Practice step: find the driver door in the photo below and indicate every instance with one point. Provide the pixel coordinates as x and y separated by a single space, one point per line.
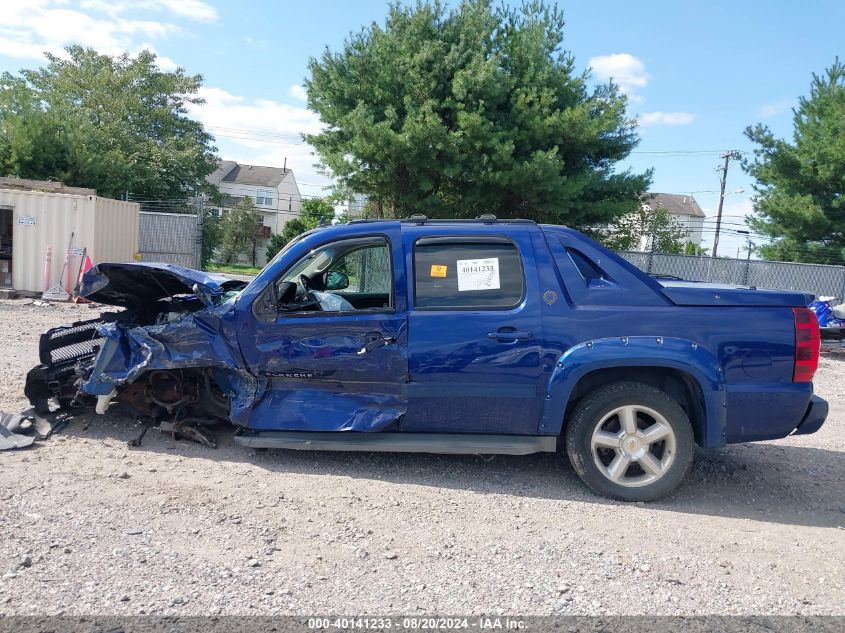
334 357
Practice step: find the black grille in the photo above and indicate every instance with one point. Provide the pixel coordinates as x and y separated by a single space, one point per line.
69 344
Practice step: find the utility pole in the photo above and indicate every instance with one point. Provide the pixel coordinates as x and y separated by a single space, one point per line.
727 156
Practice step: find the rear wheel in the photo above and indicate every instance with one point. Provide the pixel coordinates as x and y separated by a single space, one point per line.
630 441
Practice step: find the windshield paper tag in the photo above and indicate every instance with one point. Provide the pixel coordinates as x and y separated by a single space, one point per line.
438 270
478 274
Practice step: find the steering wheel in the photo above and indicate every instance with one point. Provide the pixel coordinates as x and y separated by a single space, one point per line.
307 287
305 282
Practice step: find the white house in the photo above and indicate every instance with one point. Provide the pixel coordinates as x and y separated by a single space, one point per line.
356 205
273 190
684 209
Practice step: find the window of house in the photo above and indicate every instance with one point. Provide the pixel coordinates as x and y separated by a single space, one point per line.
265 197
455 273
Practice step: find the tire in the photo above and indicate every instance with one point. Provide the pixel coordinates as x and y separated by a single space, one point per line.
630 441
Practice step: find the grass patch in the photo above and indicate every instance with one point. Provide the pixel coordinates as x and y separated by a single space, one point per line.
238 269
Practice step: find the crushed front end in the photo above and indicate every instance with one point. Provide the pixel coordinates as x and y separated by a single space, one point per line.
66 355
169 356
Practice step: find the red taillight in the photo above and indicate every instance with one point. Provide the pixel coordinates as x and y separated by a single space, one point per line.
807 344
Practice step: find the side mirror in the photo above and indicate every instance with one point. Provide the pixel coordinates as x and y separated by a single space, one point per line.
336 280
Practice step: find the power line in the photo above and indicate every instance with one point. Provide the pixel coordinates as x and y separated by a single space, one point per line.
295 138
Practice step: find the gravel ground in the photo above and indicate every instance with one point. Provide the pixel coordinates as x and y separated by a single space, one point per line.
90 526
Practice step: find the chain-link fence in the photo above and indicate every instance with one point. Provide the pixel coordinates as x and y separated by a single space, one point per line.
369 270
817 279
171 232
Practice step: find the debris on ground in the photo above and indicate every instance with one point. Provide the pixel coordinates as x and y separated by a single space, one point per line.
185 429
19 430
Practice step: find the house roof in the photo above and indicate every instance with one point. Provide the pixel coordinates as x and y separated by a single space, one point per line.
44 185
673 204
223 168
255 175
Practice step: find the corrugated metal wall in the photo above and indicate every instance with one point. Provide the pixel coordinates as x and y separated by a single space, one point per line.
116 238
108 228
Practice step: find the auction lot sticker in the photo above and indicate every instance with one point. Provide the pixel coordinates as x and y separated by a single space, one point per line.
478 274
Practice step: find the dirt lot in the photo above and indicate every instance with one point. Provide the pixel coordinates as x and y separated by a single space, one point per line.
90 526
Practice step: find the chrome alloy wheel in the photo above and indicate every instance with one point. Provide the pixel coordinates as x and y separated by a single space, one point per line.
633 446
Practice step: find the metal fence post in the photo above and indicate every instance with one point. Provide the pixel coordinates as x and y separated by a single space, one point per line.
198 234
650 261
842 285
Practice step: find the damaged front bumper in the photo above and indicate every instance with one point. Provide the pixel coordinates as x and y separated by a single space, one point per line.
65 353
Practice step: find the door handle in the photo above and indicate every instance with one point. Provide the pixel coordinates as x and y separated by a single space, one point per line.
375 343
509 335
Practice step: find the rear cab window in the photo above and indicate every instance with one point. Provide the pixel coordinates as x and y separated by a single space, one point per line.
588 268
467 273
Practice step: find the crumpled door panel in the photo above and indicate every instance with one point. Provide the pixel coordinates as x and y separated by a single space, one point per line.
295 406
318 379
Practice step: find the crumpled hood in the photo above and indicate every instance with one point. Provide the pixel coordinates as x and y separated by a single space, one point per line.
139 283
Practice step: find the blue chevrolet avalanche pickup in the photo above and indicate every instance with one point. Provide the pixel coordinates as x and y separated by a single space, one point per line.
466 336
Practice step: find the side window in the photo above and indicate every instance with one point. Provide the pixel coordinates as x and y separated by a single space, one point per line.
586 267
467 273
367 270
343 276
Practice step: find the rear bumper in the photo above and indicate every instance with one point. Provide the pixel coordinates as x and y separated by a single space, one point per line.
814 417
772 411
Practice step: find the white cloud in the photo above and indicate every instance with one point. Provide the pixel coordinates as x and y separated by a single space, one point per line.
28 28
263 132
192 9
261 116
666 118
771 110
737 210
298 92
624 69
162 61
256 44
196 10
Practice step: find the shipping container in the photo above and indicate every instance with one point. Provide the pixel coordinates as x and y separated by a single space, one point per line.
30 221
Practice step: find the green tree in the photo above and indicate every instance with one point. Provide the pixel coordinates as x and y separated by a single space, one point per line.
663 233
691 248
115 124
212 236
239 231
473 110
315 211
32 144
800 186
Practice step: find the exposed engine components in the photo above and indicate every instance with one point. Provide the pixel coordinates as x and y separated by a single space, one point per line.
167 390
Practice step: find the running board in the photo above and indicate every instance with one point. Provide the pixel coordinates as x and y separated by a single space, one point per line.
445 443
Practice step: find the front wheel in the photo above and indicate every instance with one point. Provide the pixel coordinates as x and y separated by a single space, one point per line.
630 441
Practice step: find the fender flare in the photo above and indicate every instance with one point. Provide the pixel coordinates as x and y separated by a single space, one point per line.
638 351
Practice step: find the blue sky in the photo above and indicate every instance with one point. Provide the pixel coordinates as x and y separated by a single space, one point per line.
696 72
